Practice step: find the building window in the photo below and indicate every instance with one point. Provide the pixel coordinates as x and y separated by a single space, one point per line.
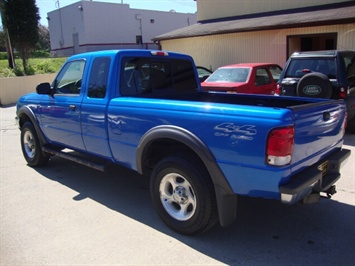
311 42
139 39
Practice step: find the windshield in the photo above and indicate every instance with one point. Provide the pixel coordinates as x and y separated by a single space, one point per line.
302 66
229 75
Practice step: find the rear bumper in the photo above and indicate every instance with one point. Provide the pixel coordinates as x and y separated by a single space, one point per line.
316 178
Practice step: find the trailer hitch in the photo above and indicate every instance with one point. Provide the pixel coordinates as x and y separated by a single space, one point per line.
330 191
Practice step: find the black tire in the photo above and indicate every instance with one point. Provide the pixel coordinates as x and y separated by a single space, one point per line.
31 147
315 85
183 195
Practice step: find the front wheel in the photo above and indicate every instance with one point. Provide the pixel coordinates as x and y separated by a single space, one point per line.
31 147
183 195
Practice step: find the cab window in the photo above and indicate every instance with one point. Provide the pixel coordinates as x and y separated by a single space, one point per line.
99 77
69 79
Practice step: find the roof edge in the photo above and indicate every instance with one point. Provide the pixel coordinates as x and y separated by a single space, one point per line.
282 12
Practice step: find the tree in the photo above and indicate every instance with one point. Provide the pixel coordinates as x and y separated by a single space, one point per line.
22 17
2 41
5 36
43 40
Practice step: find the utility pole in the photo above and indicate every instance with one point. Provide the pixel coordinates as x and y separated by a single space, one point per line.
9 51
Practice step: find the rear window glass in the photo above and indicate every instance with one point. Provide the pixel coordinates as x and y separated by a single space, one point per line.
229 75
156 76
275 72
349 64
299 67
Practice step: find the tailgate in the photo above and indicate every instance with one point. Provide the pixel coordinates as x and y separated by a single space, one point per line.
318 131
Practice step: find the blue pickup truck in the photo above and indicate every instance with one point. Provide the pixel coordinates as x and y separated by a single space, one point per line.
145 110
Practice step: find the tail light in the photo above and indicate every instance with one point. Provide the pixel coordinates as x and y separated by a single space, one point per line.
342 92
159 53
280 144
278 90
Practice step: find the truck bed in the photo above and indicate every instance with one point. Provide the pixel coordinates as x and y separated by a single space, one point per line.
240 99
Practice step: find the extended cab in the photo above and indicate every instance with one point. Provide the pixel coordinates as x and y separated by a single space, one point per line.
145 110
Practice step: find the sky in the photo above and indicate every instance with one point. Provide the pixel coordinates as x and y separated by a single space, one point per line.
182 6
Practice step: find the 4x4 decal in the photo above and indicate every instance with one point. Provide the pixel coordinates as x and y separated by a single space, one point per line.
227 129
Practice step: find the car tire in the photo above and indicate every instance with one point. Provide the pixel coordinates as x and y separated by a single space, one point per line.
31 147
183 195
315 85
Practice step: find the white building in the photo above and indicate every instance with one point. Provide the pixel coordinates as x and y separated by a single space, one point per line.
88 25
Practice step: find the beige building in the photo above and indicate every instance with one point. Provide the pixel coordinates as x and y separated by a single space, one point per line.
236 31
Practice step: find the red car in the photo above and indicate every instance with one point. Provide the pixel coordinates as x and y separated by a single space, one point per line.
252 78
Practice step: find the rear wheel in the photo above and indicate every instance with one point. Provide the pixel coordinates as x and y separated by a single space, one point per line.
31 147
183 195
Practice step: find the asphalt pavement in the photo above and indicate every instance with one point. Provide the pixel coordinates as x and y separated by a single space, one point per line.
68 214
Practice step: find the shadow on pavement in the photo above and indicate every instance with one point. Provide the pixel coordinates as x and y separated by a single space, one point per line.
266 232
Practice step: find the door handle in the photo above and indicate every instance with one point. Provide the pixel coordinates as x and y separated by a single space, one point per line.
72 107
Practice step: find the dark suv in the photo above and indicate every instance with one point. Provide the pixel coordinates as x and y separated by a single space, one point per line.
321 74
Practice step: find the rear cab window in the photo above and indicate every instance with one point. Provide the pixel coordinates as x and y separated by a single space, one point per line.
145 76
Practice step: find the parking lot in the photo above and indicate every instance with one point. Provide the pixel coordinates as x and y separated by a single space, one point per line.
67 214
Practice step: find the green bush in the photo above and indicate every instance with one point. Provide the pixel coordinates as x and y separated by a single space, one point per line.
6 72
3 56
34 54
19 71
30 71
40 54
44 66
35 66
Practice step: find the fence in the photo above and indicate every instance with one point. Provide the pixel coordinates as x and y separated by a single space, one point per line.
11 89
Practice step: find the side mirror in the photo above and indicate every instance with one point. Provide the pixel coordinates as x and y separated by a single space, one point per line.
44 88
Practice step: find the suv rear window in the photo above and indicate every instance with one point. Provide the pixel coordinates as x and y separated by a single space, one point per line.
300 66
